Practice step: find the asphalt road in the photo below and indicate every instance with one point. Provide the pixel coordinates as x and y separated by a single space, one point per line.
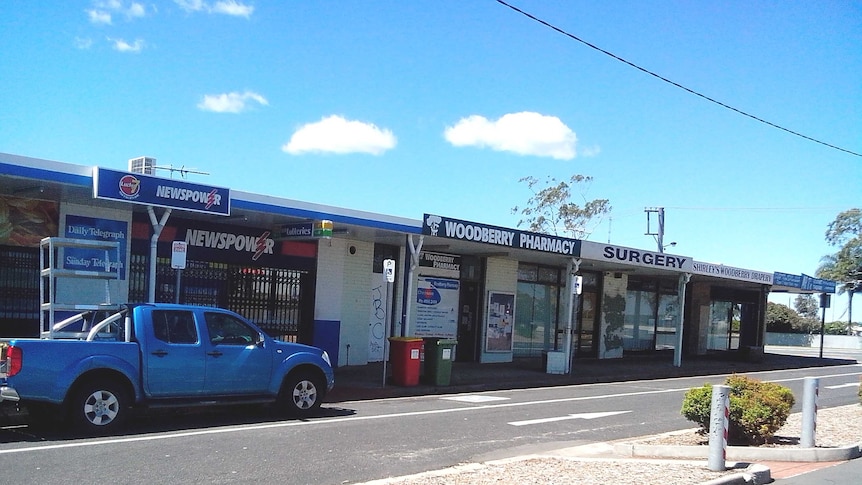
364 440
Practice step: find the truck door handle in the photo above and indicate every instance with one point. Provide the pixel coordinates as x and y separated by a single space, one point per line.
215 353
160 353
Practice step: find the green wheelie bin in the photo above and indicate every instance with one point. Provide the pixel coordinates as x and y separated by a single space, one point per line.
439 353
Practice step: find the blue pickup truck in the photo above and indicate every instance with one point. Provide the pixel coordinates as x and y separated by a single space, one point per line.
104 366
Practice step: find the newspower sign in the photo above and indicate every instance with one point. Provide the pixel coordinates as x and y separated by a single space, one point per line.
139 188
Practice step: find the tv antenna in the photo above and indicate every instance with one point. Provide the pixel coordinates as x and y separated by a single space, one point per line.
183 171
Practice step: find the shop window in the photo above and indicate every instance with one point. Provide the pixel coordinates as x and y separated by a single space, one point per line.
381 253
549 275
640 320
537 311
528 272
724 324
652 315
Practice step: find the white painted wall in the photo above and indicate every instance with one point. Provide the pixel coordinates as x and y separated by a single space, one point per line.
342 294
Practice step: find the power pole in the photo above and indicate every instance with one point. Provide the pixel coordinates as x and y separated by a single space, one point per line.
659 235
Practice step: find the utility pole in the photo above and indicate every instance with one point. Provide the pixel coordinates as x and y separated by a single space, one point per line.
659 236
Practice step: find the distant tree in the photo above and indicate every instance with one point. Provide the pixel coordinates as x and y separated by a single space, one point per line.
846 226
806 306
781 318
845 266
551 210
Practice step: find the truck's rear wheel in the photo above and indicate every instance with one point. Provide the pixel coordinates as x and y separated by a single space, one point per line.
301 394
98 407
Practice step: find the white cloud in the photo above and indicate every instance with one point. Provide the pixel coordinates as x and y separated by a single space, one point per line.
99 17
231 7
136 10
190 5
123 46
103 11
226 7
230 102
334 134
524 133
83 43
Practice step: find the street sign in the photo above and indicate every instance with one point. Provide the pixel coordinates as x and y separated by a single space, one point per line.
389 270
578 285
178 254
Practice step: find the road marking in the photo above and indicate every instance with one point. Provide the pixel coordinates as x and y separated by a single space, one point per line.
570 416
851 384
324 421
474 398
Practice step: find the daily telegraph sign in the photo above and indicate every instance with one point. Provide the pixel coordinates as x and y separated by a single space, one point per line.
439 226
144 189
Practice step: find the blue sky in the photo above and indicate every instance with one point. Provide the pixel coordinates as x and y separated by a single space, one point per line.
407 107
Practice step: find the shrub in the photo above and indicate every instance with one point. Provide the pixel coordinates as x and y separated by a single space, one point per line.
757 409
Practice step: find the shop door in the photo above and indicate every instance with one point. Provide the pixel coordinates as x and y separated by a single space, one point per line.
468 322
586 343
724 325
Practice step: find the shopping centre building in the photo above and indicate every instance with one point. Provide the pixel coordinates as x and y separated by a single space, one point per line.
321 275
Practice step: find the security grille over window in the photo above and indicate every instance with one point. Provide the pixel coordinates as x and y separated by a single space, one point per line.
270 297
19 291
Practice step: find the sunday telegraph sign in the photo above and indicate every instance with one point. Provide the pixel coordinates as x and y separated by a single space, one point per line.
144 189
439 226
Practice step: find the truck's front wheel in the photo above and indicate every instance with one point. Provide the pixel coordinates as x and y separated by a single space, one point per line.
301 393
98 407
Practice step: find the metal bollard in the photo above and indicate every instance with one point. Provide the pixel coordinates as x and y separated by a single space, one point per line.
810 395
718 421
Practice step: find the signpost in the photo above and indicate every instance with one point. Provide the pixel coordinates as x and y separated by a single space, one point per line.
389 272
179 249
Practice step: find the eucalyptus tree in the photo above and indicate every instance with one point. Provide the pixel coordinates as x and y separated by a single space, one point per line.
552 210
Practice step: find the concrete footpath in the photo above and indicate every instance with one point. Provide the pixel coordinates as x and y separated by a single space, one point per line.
367 382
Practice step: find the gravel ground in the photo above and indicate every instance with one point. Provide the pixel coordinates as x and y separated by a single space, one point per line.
841 426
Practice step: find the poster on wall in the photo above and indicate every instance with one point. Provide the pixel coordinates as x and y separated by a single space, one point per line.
81 227
501 315
24 222
437 307
378 318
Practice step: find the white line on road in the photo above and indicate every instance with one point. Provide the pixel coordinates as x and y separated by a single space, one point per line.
571 416
850 384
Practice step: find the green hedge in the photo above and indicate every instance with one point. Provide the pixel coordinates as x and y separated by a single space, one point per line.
757 409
